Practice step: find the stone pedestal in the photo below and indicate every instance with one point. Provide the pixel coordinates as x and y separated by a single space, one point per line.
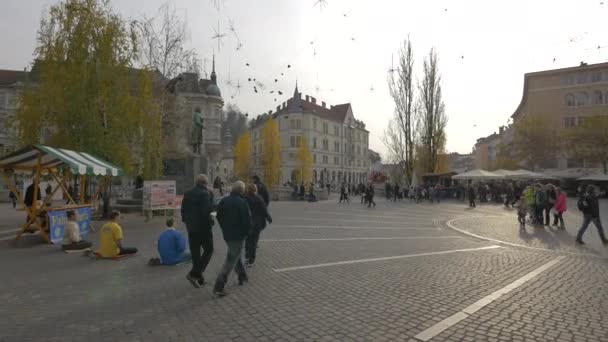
184 171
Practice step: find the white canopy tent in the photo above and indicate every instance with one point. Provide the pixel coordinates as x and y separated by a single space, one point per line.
478 175
600 177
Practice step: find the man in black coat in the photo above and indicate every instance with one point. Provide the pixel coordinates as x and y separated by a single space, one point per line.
589 205
262 190
235 221
197 206
259 217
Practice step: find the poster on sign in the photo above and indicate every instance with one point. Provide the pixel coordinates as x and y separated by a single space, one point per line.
159 195
58 218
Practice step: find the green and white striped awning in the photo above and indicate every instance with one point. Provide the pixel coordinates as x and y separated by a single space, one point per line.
50 157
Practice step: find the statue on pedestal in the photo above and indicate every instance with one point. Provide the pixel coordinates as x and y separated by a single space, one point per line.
197 131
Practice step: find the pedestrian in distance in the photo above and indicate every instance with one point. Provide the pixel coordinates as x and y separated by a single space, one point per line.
235 221
13 198
369 193
550 197
522 211
589 205
471 196
197 206
559 208
259 217
262 189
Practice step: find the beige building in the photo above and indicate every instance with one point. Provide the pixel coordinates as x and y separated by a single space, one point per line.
486 150
338 142
11 83
564 97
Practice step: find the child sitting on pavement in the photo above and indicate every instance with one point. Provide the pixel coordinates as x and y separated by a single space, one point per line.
171 247
522 209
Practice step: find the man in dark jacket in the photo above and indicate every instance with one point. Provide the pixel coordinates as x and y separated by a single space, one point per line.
589 205
259 216
262 190
235 221
197 206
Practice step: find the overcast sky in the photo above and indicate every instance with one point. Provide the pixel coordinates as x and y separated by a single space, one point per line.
484 47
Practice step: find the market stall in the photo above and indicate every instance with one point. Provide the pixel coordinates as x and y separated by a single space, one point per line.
478 175
60 165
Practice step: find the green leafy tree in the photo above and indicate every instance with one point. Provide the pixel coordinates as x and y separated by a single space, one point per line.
88 97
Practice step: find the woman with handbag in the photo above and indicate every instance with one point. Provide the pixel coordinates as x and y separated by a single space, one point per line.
559 207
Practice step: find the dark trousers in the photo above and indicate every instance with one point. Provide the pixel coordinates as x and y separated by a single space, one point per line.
539 214
127 250
548 214
198 239
75 246
251 244
598 224
521 217
233 261
558 217
472 203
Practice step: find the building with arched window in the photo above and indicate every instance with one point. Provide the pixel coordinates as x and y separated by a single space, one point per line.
338 141
564 98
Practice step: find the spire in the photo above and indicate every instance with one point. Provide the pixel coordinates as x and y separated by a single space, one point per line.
213 75
295 105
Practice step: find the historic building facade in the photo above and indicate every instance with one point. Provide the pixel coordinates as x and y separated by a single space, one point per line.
338 142
564 98
11 84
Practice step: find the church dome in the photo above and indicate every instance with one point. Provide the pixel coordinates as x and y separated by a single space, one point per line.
213 90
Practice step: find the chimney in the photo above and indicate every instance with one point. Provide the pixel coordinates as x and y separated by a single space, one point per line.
323 104
307 98
284 105
278 108
313 100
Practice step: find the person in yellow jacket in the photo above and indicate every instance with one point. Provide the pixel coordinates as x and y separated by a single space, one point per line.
110 239
530 195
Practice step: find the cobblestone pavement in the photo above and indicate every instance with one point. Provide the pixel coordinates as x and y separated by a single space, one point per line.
325 272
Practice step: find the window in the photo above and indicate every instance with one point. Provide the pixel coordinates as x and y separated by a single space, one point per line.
314 123
298 141
598 97
581 121
570 100
336 131
3 102
358 150
596 77
582 78
570 122
325 160
298 124
325 128
314 142
582 99
337 146
325 144
336 160
292 141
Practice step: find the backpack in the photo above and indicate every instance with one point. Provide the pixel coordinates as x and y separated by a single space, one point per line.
583 205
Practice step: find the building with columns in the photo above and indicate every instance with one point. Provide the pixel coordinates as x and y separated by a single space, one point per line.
338 142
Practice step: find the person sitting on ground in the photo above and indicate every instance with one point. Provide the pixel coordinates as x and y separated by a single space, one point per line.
71 235
171 247
110 239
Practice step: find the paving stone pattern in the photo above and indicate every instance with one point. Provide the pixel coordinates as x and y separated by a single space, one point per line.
47 295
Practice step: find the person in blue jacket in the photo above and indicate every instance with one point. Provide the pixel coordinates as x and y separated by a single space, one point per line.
172 247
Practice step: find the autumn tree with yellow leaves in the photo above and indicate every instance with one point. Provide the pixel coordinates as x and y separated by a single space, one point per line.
87 96
271 153
242 157
305 163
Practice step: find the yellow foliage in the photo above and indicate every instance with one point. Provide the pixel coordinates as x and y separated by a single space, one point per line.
88 97
242 157
305 163
443 163
271 153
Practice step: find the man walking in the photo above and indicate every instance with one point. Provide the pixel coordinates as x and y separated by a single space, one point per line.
197 206
235 221
589 205
262 190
